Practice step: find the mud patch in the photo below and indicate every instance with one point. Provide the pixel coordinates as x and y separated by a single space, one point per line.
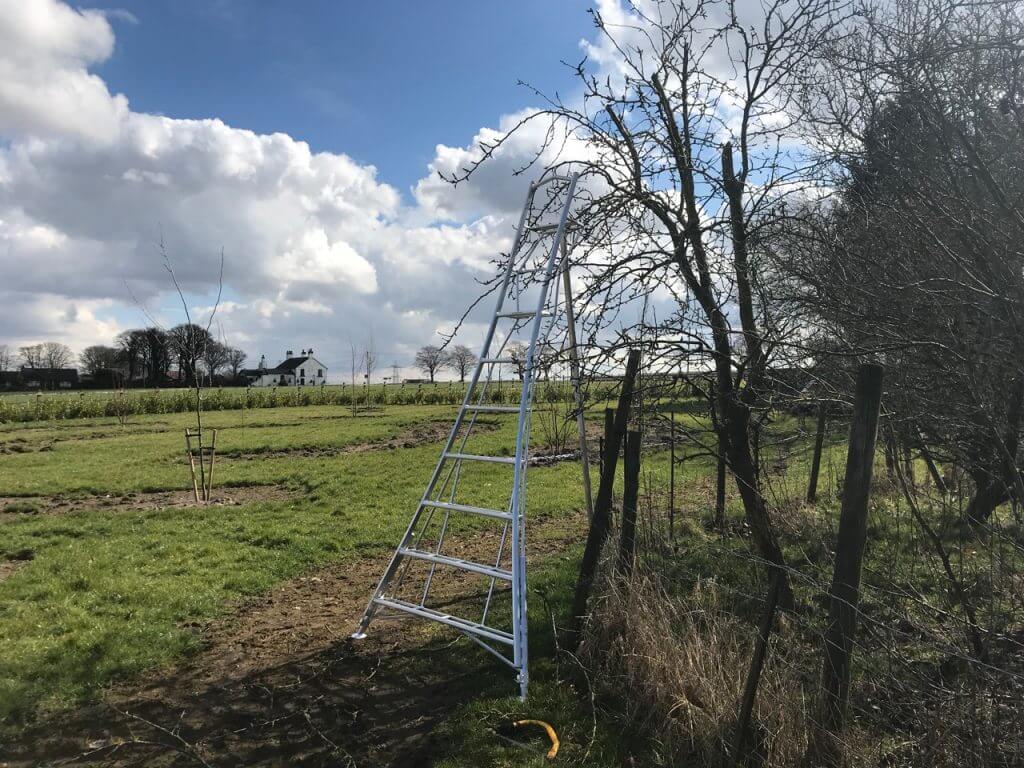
21 445
10 565
417 435
279 683
13 506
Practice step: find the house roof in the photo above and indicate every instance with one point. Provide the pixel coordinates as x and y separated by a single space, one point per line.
288 366
65 374
291 364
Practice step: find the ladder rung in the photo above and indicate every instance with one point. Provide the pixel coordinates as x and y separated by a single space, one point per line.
523 315
551 178
467 508
501 360
475 457
493 408
544 228
454 562
463 625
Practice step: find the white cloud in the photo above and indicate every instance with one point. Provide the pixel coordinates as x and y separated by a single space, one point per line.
316 246
312 258
45 86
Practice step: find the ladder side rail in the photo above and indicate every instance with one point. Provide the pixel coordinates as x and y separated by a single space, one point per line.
497 564
396 557
520 649
575 374
502 657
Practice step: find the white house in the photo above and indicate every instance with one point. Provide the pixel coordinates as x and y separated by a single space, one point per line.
301 371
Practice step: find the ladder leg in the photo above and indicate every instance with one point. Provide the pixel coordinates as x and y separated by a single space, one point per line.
442 491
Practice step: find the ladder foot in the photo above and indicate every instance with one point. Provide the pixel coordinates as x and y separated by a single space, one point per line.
359 634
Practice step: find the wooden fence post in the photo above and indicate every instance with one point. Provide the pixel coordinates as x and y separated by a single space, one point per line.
672 480
756 665
600 526
819 441
630 494
720 488
609 429
844 594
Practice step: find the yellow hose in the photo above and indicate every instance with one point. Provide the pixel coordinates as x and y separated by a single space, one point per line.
550 731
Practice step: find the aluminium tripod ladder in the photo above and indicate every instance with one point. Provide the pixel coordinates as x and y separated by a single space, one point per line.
461 493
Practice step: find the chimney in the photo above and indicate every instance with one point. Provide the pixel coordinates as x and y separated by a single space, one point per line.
309 351
263 362
288 354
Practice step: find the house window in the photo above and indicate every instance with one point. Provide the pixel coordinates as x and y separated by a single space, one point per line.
302 372
319 373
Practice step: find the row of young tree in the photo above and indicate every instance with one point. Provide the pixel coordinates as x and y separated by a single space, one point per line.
148 356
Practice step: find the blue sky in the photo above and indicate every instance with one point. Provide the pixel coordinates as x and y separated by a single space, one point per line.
301 138
382 82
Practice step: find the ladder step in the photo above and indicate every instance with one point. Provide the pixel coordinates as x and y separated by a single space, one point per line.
454 562
551 178
476 457
499 360
467 508
544 228
523 315
493 408
463 625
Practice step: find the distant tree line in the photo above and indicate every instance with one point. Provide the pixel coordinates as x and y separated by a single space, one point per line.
432 360
149 357
461 359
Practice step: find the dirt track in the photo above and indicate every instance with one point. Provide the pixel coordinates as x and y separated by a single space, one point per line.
280 683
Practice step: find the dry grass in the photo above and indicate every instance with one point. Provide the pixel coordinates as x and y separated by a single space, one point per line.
675 669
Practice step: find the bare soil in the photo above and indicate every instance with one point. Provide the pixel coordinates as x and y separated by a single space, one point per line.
279 682
12 506
10 565
419 434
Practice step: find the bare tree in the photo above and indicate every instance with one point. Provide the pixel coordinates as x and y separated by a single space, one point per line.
215 357
516 352
56 354
6 357
190 341
131 349
97 358
430 359
688 160
370 357
356 360
31 355
234 362
461 360
156 347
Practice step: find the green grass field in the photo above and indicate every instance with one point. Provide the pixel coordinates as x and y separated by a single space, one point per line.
102 584
109 592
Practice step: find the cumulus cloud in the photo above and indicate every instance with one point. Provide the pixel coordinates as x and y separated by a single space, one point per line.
499 185
88 187
317 248
45 86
